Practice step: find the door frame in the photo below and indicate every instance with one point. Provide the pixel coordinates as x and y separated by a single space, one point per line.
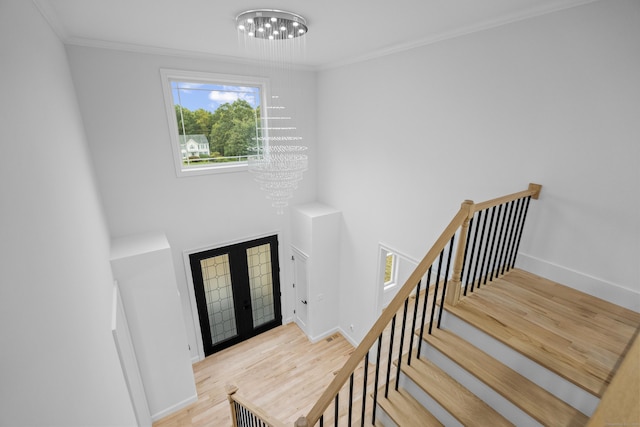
195 319
295 252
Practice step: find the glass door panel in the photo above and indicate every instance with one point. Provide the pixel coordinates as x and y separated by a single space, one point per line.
261 284
218 292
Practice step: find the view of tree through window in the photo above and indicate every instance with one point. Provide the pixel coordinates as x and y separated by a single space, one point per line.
216 123
389 268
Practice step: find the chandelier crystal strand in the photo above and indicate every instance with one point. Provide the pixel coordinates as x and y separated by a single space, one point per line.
278 168
278 171
276 37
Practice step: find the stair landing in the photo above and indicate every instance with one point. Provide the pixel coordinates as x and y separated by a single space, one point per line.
579 337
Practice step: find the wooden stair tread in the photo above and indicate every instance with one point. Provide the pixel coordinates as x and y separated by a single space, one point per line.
555 291
579 337
404 410
526 343
583 319
528 396
463 405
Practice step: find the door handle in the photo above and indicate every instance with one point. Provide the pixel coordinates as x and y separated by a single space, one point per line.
304 301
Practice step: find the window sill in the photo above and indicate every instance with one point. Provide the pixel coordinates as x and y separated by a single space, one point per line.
212 170
388 286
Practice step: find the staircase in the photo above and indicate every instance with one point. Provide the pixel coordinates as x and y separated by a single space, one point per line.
470 340
522 351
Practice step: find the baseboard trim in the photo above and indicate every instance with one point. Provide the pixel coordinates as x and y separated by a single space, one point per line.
170 410
582 282
337 330
316 338
348 337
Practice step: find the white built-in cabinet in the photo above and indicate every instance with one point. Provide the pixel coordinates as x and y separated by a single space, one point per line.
143 267
316 257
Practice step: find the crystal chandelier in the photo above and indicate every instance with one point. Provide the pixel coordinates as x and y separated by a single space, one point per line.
271 24
278 169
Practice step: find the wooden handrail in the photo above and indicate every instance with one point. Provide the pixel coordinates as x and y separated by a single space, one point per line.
462 217
533 191
233 396
369 340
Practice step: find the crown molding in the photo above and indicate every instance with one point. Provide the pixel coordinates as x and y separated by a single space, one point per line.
475 28
178 53
51 17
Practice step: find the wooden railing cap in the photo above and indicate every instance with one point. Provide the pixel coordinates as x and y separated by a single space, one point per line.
230 388
301 422
536 189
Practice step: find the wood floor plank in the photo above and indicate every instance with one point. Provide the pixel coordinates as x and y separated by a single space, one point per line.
566 313
573 311
280 371
556 290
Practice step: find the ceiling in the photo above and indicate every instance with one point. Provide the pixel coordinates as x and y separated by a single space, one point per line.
340 31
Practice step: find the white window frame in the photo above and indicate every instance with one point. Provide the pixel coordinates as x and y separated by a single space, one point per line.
403 266
394 269
169 75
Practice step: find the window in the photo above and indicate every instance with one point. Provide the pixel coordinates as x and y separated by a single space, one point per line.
390 269
215 120
394 269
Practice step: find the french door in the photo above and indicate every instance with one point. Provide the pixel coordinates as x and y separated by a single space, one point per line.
237 291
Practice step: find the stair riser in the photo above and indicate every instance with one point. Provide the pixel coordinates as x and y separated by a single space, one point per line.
383 419
480 389
563 389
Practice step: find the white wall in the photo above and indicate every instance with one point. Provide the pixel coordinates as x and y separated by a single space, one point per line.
121 98
404 139
143 268
58 361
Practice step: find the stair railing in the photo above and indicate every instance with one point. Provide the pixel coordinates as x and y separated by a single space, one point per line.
489 240
483 253
246 414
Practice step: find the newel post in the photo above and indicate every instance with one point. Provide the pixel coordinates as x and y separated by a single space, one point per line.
301 422
536 190
453 292
231 390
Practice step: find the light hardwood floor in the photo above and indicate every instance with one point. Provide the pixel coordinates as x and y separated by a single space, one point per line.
282 372
279 370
